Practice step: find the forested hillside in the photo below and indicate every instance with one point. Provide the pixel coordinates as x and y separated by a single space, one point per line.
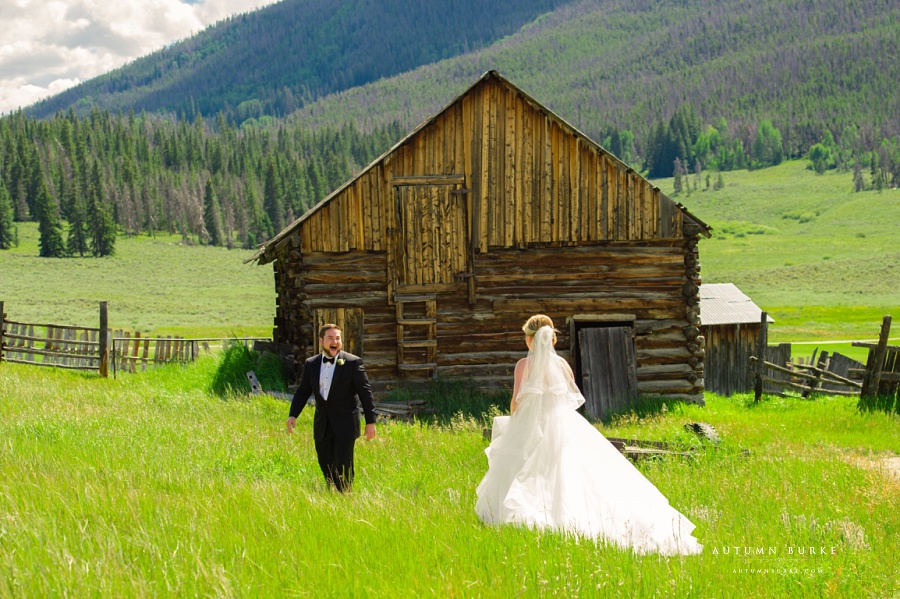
213 184
625 68
686 88
276 59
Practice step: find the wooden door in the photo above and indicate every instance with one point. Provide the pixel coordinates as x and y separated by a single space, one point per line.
431 246
608 369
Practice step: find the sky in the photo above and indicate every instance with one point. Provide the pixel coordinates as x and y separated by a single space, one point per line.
47 46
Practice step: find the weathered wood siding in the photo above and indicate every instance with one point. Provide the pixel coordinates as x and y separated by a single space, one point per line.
491 211
482 342
728 351
533 180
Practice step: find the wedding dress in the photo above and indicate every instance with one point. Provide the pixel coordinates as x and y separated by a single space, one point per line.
548 468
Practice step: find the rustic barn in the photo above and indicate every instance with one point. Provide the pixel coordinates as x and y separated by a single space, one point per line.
492 210
730 322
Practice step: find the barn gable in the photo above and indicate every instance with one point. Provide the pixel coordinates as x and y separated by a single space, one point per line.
489 211
531 177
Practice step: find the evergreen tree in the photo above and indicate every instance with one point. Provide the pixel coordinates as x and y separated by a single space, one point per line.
77 241
858 183
768 147
272 200
819 157
50 227
720 182
9 235
212 216
100 217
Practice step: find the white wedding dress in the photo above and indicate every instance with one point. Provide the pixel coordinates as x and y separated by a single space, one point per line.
548 468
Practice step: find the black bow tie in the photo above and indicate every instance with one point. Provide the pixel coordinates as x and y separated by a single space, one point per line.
328 360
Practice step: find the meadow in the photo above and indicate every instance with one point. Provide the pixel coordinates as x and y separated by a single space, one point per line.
150 485
157 285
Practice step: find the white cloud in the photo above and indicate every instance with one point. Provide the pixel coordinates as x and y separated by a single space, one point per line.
50 45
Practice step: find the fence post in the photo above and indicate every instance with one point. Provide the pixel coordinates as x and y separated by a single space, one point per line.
814 384
872 378
2 329
104 339
761 354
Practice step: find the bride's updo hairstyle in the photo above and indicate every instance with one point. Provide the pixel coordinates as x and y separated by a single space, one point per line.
536 322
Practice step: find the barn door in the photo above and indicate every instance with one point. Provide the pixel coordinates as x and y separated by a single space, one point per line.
430 249
608 370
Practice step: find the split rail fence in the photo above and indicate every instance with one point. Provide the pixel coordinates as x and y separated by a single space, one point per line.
97 349
876 382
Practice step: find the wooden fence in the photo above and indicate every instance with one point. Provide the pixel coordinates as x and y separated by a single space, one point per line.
90 348
60 346
876 383
130 353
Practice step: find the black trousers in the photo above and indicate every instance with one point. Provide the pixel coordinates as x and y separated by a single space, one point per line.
336 459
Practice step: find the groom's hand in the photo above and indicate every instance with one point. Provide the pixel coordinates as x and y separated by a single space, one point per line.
290 424
370 432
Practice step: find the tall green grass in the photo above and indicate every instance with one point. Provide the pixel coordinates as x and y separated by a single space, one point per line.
150 485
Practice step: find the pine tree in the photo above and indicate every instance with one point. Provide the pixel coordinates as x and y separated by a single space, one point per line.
272 200
859 183
720 182
50 227
9 234
77 241
100 218
212 215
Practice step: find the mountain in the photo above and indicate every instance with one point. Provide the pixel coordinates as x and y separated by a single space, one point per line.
670 86
273 60
613 65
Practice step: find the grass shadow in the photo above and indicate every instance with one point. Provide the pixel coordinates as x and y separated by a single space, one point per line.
452 398
236 360
644 407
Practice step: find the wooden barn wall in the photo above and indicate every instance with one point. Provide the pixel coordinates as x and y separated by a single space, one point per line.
483 342
533 180
345 280
728 351
646 281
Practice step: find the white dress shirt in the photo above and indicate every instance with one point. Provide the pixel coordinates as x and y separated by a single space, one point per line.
326 374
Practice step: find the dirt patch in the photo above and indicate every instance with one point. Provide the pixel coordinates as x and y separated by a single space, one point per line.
893 466
889 465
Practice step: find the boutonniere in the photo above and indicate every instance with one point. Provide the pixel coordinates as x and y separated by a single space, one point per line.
340 361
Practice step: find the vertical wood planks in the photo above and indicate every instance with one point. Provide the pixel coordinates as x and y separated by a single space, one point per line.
533 180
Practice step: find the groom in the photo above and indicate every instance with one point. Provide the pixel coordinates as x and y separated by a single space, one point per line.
335 378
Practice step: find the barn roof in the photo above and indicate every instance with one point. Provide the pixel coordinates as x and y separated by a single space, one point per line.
281 237
724 303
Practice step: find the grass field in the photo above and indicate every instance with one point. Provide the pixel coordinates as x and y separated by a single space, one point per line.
154 285
150 486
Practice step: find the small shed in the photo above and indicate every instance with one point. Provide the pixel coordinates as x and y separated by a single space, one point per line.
494 209
731 325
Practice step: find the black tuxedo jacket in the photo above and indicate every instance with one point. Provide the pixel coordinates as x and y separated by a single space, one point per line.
341 408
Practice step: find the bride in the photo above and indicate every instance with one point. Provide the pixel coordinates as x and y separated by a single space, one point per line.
549 468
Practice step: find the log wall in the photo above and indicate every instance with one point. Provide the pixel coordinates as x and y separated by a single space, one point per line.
482 342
